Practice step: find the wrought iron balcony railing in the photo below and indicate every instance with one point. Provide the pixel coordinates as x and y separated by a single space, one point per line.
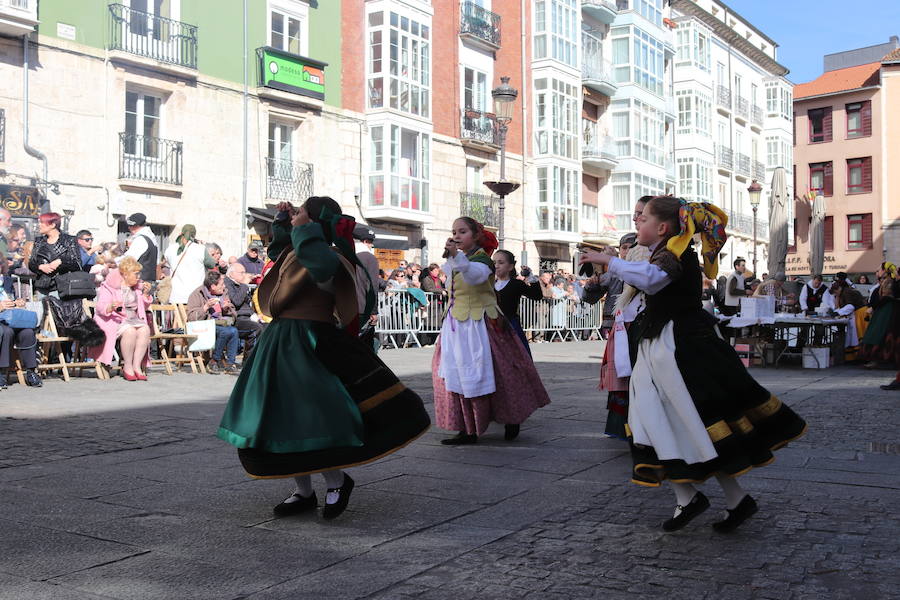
152 159
723 96
742 165
480 126
288 180
756 115
145 34
480 23
759 171
484 208
742 107
744 224
724 157
594 67
596 147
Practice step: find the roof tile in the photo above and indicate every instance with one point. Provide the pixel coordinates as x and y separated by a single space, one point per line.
840 80
892 55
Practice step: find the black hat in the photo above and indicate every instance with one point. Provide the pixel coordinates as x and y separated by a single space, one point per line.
363 232
628 238
137 219
255 245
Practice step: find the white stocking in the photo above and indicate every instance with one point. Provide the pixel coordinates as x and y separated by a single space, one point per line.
304 488
734 493
684 493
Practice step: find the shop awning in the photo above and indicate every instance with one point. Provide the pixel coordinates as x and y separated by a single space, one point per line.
383 239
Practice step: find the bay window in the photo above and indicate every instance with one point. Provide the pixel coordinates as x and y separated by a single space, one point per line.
627 188
638 58
399 63
558 199
399 167
556 33
693 47
556 109
695 179
638 130
694 110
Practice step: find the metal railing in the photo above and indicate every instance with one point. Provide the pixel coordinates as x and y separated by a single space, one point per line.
742 164
596 146
20 4
480 127
594 67
723 96
480 23
484 208
759 171
744 224
756 115
742 107
402 316
724 157
151 159
146 34
288 180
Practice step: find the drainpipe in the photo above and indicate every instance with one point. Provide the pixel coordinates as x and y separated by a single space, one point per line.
28 148
243 216
524 96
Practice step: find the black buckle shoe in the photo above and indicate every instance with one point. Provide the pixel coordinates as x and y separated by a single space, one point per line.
332 511
745 509
894 385
32 379
461 439
298 506
510 432
697 505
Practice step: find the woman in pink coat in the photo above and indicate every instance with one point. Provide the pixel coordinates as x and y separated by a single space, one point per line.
121 312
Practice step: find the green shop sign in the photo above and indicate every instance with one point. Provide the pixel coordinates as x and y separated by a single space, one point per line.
291 73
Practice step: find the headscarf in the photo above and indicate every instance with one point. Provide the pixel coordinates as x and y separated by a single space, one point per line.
709 221
890 268
188 234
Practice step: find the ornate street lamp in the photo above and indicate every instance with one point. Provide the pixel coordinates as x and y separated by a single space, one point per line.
754 190
504 96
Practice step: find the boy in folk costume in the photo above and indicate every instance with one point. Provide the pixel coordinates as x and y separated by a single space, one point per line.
695 412
481 371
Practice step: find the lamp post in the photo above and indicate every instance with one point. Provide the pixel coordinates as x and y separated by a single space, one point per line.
754 190
504 96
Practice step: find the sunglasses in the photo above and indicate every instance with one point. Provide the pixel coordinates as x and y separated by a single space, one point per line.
87 239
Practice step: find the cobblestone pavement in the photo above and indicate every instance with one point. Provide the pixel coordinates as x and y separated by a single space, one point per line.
120 490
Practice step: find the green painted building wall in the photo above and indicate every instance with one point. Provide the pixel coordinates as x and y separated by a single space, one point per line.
220 34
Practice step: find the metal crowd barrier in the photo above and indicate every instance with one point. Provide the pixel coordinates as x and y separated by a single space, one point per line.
404 320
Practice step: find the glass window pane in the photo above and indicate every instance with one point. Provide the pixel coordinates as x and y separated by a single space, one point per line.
277 31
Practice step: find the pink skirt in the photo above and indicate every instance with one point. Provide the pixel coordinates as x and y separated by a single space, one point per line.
609 380
519 390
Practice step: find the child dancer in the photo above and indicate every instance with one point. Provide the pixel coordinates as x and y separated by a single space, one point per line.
312 398
695 411
510 291
481 372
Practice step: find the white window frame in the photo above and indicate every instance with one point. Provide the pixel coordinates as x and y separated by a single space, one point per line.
559 197
480 89
408 75
394 183
140 119
557 38
289 9
557 120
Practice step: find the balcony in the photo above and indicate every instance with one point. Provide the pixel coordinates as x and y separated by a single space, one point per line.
724 158
288 180
484 208
723 98
597 75
759 171
18 17
743 224
479 130
670 112
479 26
291 78
148 40
756 116
741 109
150 159
742 166
671 176
597 151
604 11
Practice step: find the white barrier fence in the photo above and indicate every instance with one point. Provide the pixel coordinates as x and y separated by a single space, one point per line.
413 318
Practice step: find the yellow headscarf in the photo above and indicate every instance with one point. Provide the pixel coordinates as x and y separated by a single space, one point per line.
891 269
709 221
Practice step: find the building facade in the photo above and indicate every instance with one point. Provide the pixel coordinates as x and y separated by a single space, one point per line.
843 152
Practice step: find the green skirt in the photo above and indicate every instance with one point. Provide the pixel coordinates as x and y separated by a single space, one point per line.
312 398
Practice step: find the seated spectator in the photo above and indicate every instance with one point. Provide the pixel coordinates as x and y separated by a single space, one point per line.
89 251
249 327
24 339
253 260
121 312
215 252
209 301
431 281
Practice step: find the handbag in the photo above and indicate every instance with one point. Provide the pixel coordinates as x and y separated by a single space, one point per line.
77 284
19 318
164 285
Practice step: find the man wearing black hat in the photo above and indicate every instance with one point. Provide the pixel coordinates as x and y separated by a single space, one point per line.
365 240
143 246
252 260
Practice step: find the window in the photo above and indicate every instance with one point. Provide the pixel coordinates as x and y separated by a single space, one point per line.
556 33
556 108
639 131
695 179
754 94
288 31
628 187
474 90
558 199
399 167
819 125
638 58
474 177
590 217
773 145
859 119
692 46
829 233
406 71
821 178
859 175
738 86
859 231
649 9
694 110
778 100
792 235
280 142
142 116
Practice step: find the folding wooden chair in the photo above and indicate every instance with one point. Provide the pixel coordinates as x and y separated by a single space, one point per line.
166 321
51 347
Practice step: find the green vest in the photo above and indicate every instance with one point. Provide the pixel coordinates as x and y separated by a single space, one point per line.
474 301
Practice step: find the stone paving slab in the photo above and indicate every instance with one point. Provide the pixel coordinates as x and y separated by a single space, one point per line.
108 494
